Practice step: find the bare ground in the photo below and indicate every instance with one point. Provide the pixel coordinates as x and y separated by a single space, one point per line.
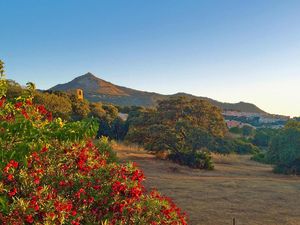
238 188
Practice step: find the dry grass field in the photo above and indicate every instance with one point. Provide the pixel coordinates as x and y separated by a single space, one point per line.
237 188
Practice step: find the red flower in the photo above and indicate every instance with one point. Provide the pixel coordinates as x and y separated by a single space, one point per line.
36 207
25 114
12 192
36 180
49 116
44 149
75 222
28 102
10 177
42 109
29 219
18 105
14 164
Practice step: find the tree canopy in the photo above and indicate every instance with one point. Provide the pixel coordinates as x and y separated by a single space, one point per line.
181 125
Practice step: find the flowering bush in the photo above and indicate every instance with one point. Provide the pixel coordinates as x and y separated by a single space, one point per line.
26 127
76 185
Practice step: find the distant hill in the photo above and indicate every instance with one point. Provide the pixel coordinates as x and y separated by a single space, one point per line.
96 89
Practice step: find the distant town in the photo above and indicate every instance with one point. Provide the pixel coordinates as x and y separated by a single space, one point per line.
255 120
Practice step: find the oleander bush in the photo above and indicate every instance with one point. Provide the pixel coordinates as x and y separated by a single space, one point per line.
27 127
76 185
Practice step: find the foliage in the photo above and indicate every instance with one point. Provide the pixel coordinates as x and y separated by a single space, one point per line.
262 137
199 159
284 149
26 127
199 113
247 130
67 106
97 110
76 185
180 125
105 148
14 90
117 129
59 105
243 147
260 157
80 108
235 130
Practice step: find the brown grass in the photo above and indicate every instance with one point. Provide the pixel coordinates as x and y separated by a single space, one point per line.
237 188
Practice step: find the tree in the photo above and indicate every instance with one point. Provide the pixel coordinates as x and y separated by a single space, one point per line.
60 106
200 113
247 130
13 89
80 108
111 112
97 110
262 137
180 125
284 150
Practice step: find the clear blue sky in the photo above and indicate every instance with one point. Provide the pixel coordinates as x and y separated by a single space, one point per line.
246 50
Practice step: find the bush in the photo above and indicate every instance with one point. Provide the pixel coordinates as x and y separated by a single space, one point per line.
104 146
200 159
76 185
291 168
260 157
26 127
243 147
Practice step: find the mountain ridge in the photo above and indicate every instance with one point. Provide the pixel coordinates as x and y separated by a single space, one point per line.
96 89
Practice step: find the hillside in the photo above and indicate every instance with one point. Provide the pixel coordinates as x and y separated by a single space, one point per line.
96 89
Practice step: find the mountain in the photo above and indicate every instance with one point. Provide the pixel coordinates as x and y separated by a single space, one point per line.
96 89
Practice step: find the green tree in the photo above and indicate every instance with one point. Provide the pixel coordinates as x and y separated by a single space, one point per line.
262 137
13 89
60 106
180 125
97 110
80 109
284 150
247 130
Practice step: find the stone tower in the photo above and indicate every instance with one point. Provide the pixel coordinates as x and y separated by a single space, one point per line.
79 94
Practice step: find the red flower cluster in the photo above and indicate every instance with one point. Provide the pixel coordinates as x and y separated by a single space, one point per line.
77 186
27 109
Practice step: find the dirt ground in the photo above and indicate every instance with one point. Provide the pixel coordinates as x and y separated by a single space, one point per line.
238 188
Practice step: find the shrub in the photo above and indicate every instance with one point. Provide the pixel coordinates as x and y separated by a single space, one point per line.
76 185
243 147
200 159
27 127
260 157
